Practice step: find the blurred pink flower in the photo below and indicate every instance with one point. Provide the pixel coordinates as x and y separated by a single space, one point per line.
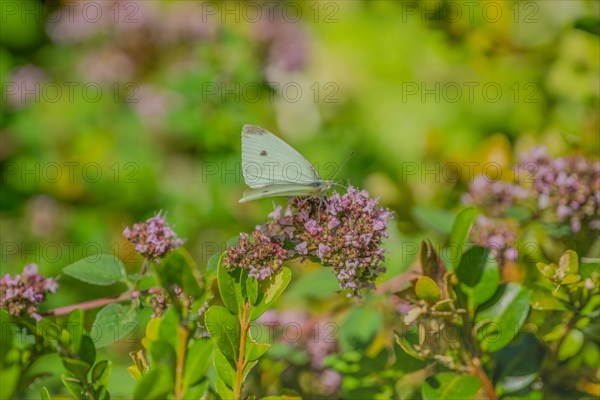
21 295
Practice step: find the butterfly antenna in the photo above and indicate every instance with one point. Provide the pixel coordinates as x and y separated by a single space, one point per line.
340 185
342 166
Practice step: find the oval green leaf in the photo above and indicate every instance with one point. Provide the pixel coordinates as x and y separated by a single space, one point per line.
505 312
102 269
458 237
226 284
272 288
225 328
112 323
426 289
445 386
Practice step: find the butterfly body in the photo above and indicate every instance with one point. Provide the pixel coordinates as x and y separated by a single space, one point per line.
271 168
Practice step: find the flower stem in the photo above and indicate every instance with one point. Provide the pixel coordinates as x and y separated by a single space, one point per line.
241 364
478 372
183 333
88 305
476 369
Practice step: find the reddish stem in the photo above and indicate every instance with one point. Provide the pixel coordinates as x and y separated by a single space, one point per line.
88 305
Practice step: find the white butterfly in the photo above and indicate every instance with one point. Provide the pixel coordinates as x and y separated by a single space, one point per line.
271 168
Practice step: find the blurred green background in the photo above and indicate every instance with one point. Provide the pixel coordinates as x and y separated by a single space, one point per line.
112 111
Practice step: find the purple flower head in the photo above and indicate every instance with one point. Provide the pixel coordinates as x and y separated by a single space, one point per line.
493 196
160 300
566 188
153 238
20 295
344 232
498 235
261 256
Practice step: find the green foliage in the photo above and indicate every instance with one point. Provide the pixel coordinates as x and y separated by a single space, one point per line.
114 322
245 299
101 270
505 312
450 386
458 237
160 140
426 289
479 275
518 364
179 270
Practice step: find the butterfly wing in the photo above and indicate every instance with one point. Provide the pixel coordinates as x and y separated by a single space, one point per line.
280 190
268 160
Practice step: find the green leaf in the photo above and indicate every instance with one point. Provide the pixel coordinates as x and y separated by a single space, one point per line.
458 237
433 218
214 261
252 289
450 386
45 394
248 368
224 369
426 289
87 351
198 391
571 344
286 394
197 361
225 328
472 262
518 364
479 275
223 390
102 269
255 350
591 355
156 384
269 291
140 365
77 368
505 311
528 395
101 373
102 393
407 359
226 283
360 327
75 328
112 323
179 269
547 270
167 330
74 386
569 262
570 279
543 300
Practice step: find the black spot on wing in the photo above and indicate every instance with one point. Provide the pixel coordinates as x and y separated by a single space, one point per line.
250 130
263 153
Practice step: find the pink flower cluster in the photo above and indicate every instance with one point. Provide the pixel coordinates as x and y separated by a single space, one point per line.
340 231
563 190
21 295
152 238
160 301
261 256
493 196
567 187
498 235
